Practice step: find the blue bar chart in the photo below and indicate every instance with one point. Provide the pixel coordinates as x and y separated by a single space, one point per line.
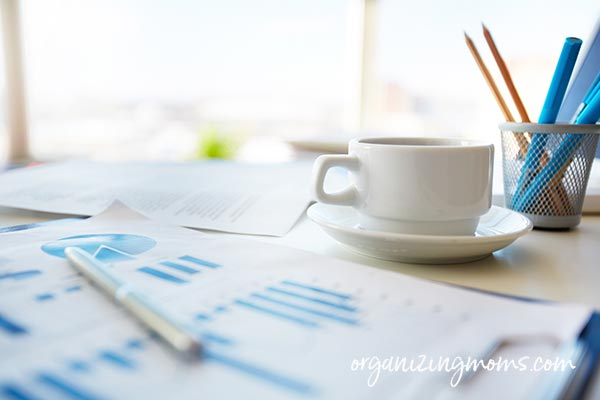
64 387
179 270
156 273
277 314
44 297
287 305
312 299
60 387
125 358
294 306
48 296
300 305
117 359
297 303
16 392
263 374
20 275
64 382
306 305
179 267
200 262
11 327
316 289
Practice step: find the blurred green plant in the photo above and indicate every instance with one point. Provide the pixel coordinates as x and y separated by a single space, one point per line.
214 143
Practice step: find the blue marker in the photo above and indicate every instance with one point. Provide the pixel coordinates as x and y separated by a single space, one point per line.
560 80
594 88
562 155
554 98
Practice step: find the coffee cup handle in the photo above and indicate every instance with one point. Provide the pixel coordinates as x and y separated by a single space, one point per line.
345 197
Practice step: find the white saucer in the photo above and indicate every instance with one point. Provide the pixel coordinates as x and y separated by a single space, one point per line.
497 229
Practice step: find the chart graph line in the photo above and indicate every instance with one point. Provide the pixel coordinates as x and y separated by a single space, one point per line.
319 313
79 366
218 339
200 262
283 381
340 306
179 267
117 359
64 387
14 392
135 344
21 274
317 289
202 317
44 297
162 275
11 327
266 310
72 289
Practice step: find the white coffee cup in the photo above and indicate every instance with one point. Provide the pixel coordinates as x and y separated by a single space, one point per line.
431 186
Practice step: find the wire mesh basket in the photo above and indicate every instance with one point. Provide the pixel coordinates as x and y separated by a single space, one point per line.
546 169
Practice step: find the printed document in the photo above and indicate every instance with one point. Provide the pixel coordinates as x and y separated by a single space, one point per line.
264 199
275 322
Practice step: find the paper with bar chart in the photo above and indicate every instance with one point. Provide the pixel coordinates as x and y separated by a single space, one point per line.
275 322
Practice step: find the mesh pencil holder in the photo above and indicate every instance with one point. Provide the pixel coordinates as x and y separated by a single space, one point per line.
546 169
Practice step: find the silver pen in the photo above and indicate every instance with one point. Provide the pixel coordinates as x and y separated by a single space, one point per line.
172 331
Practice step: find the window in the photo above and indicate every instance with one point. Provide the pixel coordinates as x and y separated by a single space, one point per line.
426 80
122 79
131 79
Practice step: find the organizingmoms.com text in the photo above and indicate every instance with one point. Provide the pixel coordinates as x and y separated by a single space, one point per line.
456 367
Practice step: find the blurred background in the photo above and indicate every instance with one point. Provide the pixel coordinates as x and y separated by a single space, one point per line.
183 79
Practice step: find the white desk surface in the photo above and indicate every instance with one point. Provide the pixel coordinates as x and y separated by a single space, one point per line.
562 266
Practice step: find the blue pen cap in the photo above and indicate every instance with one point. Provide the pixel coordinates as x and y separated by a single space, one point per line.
560 80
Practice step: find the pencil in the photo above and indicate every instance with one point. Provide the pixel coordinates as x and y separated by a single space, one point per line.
559 193
506 75
489 80
521 141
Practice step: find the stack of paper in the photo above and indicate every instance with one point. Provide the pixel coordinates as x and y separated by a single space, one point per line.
264 199
275 322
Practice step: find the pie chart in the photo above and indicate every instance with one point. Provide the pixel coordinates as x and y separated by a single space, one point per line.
107 247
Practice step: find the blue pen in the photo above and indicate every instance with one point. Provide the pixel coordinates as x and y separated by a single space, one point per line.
562 155
554 98
594 88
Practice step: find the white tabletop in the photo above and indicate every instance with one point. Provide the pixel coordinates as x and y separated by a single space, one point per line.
562 266
554 265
